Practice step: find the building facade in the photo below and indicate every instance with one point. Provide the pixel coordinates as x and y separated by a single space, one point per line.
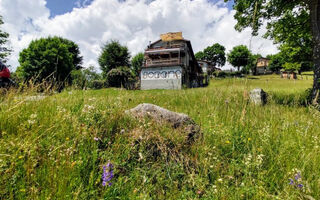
262 66
170 64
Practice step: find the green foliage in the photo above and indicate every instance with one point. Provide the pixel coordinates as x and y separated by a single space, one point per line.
137 63
214 54
239 56
51 58
292 31
252 63
113 55
200 55
4 50
120 77
86 78
276 62
292 67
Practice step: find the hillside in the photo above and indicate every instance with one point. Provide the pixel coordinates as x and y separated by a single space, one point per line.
55 147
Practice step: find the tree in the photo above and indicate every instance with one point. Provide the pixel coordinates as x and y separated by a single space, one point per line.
49 57
214 54
239 56
113 55
276 62
291 67
136 63
4 51
200 55
252 63
85 78
119 77
290 22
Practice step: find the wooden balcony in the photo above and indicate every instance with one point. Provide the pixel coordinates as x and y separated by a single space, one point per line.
163 62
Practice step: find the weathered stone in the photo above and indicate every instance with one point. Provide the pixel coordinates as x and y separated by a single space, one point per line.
258 96
161 115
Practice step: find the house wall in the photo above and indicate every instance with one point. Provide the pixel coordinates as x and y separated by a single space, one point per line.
161 78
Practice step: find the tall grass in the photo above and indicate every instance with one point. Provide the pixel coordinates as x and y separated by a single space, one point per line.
56 147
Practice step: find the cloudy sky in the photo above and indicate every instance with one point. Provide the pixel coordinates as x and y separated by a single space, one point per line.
90 23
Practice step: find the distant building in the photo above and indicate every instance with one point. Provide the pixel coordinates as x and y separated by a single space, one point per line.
288 74
263 66
170 63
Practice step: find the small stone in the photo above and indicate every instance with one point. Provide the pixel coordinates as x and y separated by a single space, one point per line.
258 96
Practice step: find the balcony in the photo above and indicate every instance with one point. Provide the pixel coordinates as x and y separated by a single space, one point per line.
163 62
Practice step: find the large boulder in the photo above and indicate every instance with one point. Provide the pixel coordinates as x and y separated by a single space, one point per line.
162 115
258 96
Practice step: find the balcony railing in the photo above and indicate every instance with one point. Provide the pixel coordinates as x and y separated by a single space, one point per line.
163 62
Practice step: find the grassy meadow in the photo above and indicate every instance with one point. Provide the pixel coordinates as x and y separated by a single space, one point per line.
55 147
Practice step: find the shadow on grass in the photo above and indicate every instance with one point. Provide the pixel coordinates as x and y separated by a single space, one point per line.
296 99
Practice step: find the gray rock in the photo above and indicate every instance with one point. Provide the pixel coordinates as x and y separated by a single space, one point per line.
258 96
161 115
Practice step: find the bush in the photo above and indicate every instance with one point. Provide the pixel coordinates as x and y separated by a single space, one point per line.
78 79
120 77
97 84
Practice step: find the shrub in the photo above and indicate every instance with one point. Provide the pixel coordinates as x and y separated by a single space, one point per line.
120 77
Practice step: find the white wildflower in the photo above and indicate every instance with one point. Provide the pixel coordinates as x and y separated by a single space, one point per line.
87 108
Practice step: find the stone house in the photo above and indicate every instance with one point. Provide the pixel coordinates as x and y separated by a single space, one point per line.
169 63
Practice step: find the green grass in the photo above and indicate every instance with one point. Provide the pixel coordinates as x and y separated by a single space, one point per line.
48 151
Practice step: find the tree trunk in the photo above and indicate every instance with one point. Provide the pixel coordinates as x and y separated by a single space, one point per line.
315 24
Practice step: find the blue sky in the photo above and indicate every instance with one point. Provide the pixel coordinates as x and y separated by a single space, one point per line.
59 7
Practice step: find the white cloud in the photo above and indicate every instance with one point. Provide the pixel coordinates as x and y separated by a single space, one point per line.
133 22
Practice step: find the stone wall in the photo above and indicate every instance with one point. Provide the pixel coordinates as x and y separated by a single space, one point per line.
161 78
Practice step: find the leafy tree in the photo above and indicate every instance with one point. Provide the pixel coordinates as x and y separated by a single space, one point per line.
292 23
4 51
239 56
214 54
252 63
136 63
49 57
113 55
119 77
200 55
276 62
84 78
291 67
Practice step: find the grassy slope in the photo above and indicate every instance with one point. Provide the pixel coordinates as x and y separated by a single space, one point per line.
47 147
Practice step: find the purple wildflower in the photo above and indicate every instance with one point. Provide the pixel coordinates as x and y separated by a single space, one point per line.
291 182
300 185
297 176
107 174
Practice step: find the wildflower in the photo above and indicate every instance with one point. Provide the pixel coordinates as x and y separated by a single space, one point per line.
88 108
220 180
33 116
297 176
228 142
96 139
20 157
107 174
67 138
249 139
291 181
31 121
297 180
